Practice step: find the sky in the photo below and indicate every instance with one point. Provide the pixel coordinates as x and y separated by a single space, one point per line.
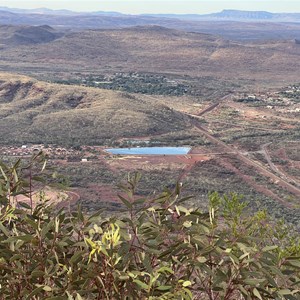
158 6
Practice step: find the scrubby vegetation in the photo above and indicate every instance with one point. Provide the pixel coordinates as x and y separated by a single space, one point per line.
55 114
157 249
152 84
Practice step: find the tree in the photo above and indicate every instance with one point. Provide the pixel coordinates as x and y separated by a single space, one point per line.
158 249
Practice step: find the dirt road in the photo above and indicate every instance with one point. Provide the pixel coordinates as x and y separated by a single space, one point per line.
273 167
280 181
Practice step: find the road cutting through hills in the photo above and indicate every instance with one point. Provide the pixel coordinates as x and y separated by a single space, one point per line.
283 181
280 181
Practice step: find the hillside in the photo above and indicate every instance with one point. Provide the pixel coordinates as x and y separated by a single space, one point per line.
32 111
159 50
27 35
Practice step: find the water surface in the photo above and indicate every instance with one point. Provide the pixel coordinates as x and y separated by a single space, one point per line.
150 151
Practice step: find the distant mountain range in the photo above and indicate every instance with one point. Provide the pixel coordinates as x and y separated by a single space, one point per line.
41 10
227 14
47 11
237 15
256 25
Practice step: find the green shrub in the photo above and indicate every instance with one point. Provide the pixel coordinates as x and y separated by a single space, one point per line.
158 249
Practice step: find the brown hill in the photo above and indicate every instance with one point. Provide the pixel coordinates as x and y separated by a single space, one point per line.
27 35
159 50
37 112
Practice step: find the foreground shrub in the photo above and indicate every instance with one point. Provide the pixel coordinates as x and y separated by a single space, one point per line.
158 249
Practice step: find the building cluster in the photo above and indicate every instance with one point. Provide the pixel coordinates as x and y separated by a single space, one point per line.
284 101
28 150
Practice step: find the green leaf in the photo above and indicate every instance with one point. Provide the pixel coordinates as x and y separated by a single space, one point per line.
24 205
201 259
16 257
285 292
186 283
243 290
220 277
47 228
187 224
139 201
36 291
76 257
123 277
37 273
4 230
32 223
141 284
269 248
187 294
253 282
25 238
125 201
91 243
165 270
164 287
38 179
47 288
147 263
294 263
78 297
79 213
184 199
257 294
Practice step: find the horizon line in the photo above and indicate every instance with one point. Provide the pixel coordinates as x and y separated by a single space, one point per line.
137 14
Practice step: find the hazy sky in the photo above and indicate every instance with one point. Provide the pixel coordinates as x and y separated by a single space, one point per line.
158 6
